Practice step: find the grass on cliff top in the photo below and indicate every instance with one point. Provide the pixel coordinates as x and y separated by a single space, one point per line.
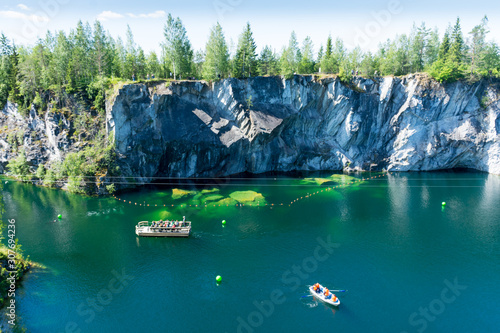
115 84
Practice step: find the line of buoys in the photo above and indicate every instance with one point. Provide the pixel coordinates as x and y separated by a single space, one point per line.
271 205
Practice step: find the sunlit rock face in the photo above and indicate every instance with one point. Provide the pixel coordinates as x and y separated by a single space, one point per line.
271 124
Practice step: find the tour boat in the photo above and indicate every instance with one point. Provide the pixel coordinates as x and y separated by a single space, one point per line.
167 229
334 300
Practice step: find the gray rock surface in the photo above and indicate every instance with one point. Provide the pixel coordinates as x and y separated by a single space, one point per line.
195 129
261 124
44 139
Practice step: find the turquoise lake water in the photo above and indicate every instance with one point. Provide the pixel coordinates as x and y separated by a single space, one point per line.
408 264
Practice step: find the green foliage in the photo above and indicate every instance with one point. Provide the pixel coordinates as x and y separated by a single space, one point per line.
96 91
87 61
245 62
450 65
177 47
306 64
19 167
6 68
41 171
152 65
447 70
50 178
485 102
268 63
216 63
84 168
249 102
345 75
290 57
478 47
37 101
21 266
110 188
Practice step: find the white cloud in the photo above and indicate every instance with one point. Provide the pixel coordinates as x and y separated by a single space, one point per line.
157 14
10 14
108 15
23 7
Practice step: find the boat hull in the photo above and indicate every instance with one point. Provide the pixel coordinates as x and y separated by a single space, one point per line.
160 234
322 298
147 231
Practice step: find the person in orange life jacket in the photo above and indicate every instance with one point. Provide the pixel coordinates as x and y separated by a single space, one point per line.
317 288
327 294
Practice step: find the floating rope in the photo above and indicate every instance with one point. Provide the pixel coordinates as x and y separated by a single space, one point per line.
257 204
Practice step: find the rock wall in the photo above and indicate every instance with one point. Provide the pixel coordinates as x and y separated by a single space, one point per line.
45 139
195 129
261 124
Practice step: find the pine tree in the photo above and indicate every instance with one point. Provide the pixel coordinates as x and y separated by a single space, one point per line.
478 45
339 53
245 61
368 65
327 62
5 53
62 58
328 52
118 58
101 50
216 64
444 48
140 63
306 64
130 70
457 43
152 65
418 46
14 93
267 62
403 55
491 59
432 49
454 67
290 57
80 60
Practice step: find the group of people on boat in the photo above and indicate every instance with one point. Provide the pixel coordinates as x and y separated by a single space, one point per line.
328 295
168 224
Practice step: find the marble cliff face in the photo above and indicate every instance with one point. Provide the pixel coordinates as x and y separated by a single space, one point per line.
194 129
261 124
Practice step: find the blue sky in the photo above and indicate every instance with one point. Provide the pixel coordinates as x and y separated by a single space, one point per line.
361 22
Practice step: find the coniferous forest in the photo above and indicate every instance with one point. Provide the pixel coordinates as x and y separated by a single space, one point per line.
88 60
